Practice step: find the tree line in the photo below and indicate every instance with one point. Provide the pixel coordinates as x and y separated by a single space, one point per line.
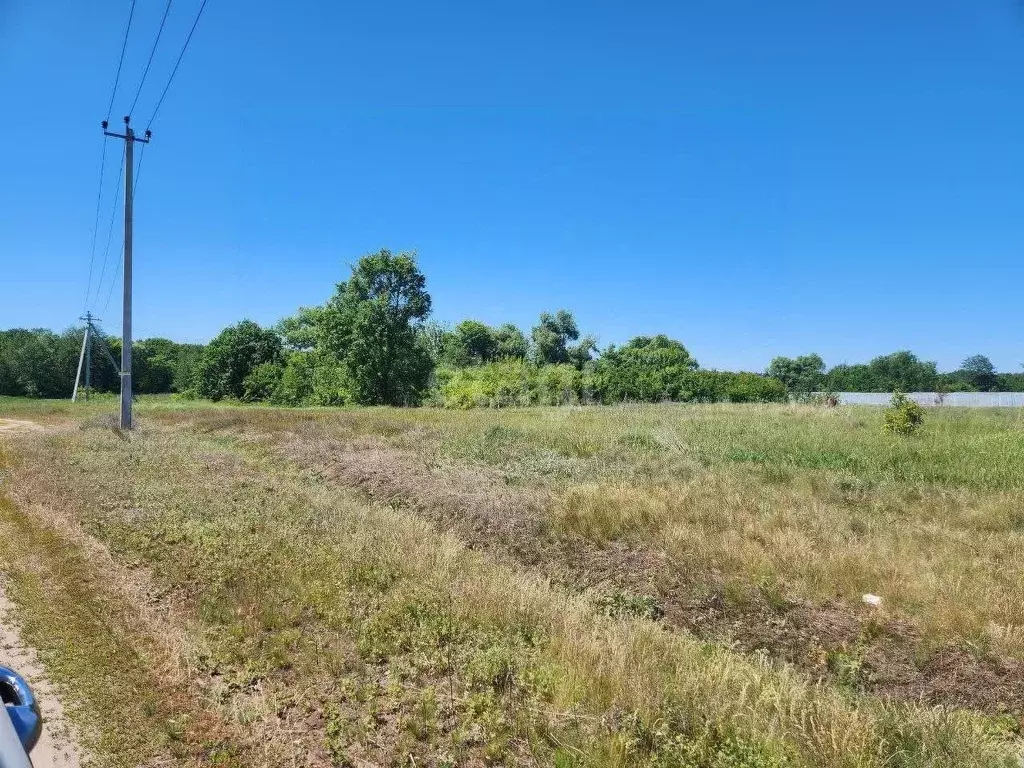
900 371
372 343
40 363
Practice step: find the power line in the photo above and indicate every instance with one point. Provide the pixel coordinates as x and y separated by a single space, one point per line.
120 62
138 169
110 292
96 224
117 272
110 229
152 51
178 62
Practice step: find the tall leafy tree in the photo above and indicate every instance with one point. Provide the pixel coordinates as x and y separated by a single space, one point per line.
582 352
648 368
154 362
38 362
551 337
979 372
186 367
470 343
510 343
229 359
801 375
903 371
434 338
900 371
370 327
853 378
299 330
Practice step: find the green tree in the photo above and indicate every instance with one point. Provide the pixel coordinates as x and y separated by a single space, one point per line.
39 362
154 362
433 338
229 359
551 337
470 343
262 382
801 375
852 378
186 367
903 371
370 327
648 368
1010 382
979 372
582 352
510 343
299 330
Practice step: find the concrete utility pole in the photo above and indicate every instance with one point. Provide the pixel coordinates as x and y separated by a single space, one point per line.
85 359
126 321
88 355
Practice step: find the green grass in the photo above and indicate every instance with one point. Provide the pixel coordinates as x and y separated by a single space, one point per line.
94 649
370 635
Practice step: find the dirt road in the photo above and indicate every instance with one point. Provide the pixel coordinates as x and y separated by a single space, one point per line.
56 747
15 425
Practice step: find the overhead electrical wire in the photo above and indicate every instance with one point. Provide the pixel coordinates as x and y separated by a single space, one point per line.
117 272
142 154
103 162
174 71
152 51
103 157
120 61
110 230
110 291
96 224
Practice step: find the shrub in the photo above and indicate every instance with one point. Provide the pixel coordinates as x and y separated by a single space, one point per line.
752 388
903 416
496 385
647 369
262 382
296 383
507 383
719 386
559 385
234 354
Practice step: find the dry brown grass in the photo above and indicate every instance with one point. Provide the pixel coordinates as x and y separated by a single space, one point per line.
372 636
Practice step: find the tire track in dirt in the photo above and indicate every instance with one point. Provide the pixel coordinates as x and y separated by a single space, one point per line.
57 747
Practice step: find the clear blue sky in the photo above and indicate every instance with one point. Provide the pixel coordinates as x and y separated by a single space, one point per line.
752 178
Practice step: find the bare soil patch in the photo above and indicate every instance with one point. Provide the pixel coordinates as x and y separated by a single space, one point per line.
16 426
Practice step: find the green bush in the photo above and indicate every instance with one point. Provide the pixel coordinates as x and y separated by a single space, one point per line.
752 388
903 416
647 369
724 386
234 354
507 383
559 385
521 383
262 382
295 386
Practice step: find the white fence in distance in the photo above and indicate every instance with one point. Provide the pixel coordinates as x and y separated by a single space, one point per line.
931 399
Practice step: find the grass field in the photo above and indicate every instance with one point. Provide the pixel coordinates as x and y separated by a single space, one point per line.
655 585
